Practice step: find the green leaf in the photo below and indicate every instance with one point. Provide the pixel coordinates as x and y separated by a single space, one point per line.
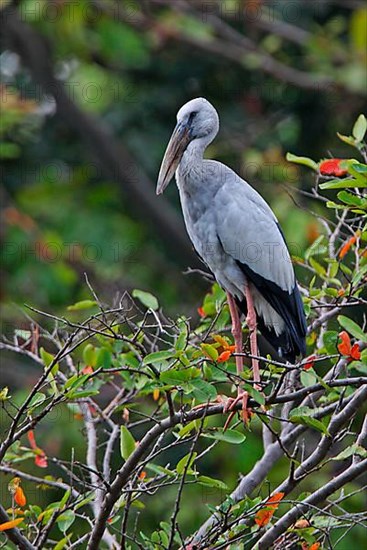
352 327
36 401
64 499
83 304
62 543
203 391
90 355
160 469
316 248
308 378
320 270
302 415
347 139
76 381
158 357
193 425
330 340
229 436
175 377
255 394
352 450
333 268
4 394
74 394
360 168
325 522
83 502
104 358
345 183
359 128
127 443
305 161
210 351
352 200
65 520
357 277
185 463
211 482
48 358
147 299
24 334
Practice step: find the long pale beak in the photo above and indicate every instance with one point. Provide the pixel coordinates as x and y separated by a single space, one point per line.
173 155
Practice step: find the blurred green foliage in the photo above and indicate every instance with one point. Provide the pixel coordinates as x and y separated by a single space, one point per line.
134 69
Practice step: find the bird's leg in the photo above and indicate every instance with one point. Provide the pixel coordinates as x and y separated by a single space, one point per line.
252 326
237 335
236 331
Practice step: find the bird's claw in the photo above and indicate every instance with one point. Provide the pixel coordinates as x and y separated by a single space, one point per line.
230 405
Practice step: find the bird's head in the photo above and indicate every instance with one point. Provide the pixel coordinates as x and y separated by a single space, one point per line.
197 121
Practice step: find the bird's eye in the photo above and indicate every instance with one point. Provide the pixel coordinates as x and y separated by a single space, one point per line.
191 117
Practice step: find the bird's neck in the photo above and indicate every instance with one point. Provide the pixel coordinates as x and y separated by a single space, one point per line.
192 158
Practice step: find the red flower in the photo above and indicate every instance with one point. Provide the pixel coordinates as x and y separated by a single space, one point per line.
40 458
201 312
10 524
88 370
355 352
224 356
20 497
264 515
345 248
331 167
345 347
310 361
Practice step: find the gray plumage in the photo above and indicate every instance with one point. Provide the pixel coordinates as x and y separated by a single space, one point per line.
234 230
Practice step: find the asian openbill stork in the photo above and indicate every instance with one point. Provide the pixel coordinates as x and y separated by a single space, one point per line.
237 235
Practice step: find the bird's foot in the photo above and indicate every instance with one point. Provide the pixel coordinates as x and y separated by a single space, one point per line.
230 404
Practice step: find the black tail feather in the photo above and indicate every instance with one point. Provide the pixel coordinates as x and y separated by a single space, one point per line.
291 342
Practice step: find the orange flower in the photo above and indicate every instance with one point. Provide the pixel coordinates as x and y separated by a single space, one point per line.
310 361
201 312
20 497
142 475
156 394
32 440
40 458
344 346
88 370
302 524
225 350
346 247
332 167
224 356
10 524
355 352
264 515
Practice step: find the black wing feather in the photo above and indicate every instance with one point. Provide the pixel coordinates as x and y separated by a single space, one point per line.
288 306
